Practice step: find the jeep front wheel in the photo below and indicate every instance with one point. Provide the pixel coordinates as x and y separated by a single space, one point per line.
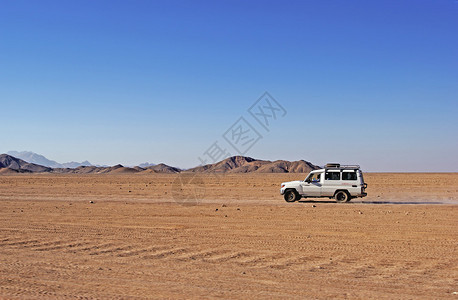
291 196
342 196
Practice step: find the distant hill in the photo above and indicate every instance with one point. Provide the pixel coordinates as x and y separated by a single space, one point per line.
163 168
242 164
19 165
38 159
146 165
117 169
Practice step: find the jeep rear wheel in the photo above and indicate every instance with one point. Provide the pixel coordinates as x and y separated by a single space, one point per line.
342 196
291 196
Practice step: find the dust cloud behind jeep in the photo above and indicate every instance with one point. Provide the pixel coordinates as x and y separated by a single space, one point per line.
341 182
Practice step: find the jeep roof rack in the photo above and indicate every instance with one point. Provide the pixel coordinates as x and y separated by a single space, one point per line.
336 166
332 165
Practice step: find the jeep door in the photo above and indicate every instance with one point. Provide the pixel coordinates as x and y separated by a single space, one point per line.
350 182
331 182
311 187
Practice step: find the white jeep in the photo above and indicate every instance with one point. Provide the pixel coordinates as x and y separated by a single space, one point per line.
333 181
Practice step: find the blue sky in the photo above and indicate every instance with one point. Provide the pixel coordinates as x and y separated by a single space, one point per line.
368 82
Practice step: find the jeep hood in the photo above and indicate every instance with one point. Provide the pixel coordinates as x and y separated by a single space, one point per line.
291 182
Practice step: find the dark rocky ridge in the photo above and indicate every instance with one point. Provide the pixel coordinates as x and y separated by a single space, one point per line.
21 166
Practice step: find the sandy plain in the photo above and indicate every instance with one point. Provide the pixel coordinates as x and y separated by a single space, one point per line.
230 236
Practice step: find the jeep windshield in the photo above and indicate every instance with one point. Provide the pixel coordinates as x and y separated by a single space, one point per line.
313 177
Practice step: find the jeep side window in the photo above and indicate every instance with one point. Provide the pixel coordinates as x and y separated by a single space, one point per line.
349 176
332 176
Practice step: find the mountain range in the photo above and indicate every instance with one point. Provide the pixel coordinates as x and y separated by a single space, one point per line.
234 164
243 164
38 159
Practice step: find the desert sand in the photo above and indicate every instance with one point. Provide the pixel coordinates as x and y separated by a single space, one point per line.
231 236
